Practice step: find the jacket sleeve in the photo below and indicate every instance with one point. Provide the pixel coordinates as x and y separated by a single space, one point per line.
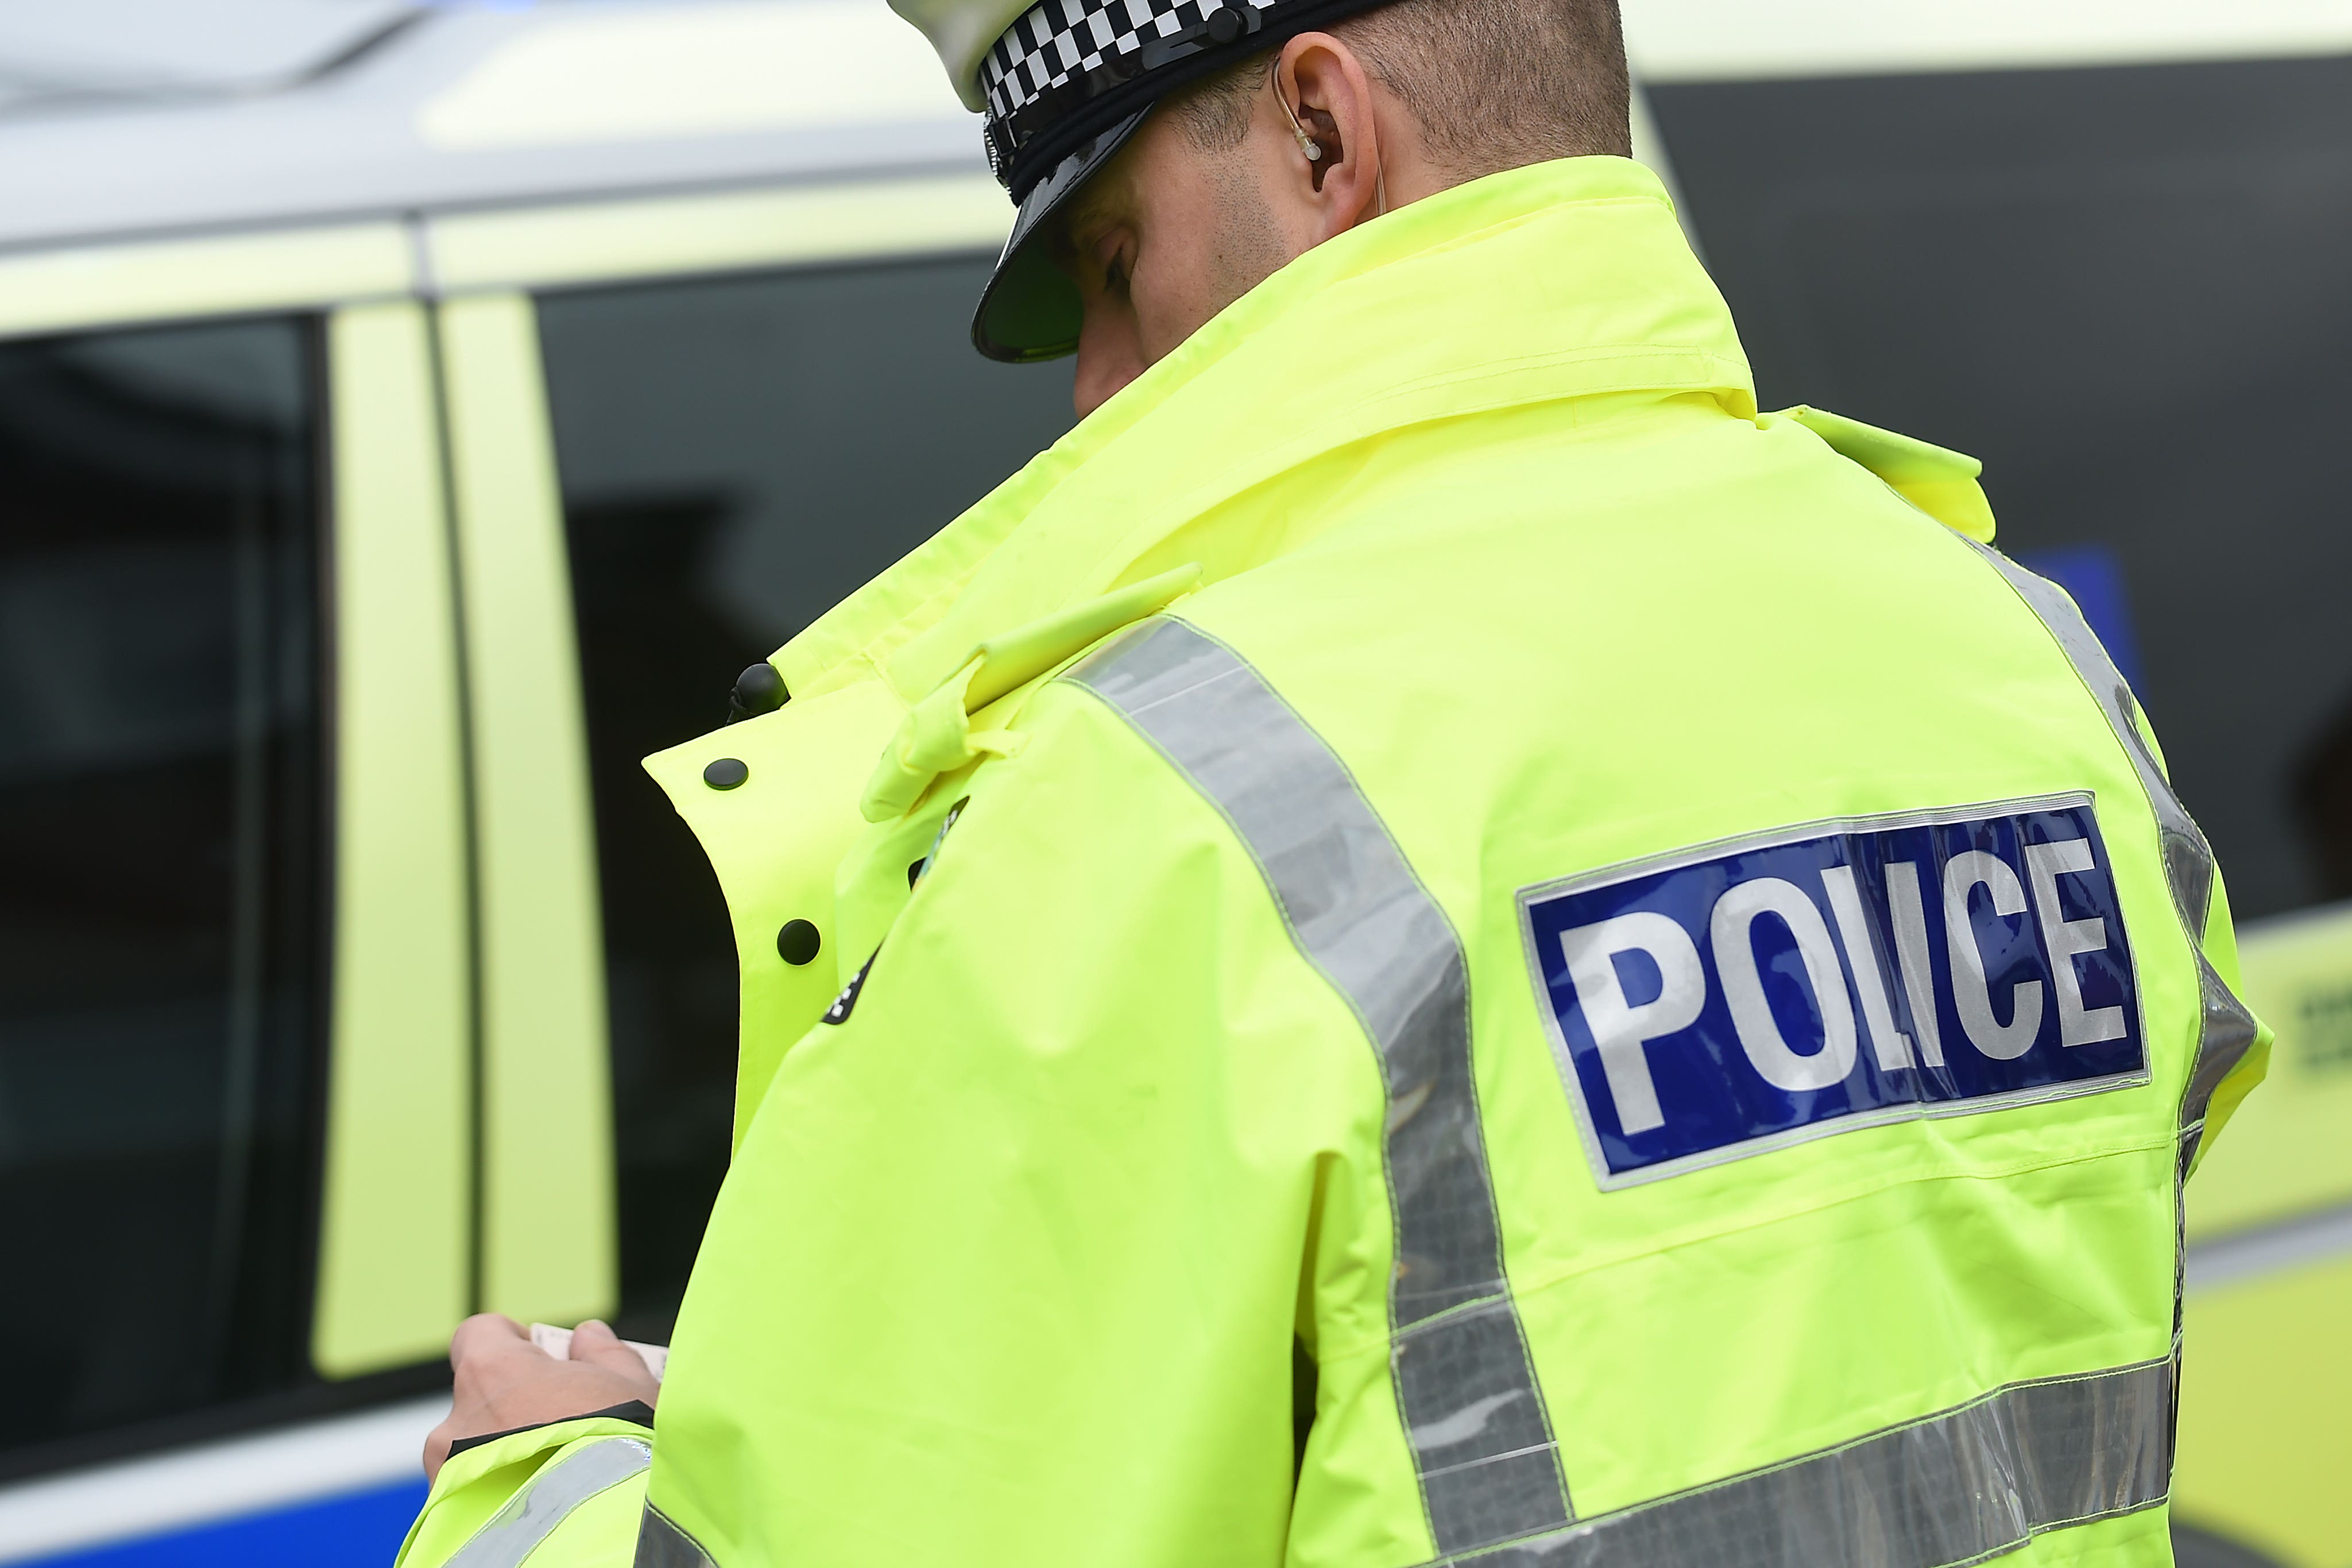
1011 1265
2221 943
2218 942
566 1494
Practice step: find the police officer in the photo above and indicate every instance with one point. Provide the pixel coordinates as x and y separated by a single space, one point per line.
1432 941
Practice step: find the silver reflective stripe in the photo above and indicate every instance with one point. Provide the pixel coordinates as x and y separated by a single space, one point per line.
532 1515
1958 1487
661 1544
2228 1029
1482 1439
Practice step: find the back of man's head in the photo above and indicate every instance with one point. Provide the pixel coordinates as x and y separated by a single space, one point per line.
1492 84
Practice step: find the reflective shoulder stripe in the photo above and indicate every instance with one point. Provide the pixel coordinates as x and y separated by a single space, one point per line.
2228 1030
1489 1469
532 1515
661 1544
1961 1486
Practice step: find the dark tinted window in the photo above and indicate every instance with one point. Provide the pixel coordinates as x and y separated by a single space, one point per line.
737 456
2127 290
159 870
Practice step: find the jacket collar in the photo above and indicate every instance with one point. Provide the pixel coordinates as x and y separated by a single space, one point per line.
1567 280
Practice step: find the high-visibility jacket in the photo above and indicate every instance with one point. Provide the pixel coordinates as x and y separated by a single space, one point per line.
1439 943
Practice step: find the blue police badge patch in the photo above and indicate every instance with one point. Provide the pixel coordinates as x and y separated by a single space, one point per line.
1723 1001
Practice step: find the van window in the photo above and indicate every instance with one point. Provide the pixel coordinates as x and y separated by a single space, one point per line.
2124 289
737 454
159 870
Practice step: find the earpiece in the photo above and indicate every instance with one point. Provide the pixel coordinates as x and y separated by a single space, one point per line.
1307 145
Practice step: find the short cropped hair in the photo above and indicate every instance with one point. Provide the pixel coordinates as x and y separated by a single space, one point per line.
1495 84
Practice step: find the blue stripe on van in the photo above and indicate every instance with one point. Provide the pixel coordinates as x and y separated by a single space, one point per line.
357 1530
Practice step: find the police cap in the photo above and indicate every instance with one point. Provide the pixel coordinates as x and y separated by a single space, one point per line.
1063 85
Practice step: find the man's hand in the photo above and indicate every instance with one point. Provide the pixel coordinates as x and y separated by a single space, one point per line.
504 1381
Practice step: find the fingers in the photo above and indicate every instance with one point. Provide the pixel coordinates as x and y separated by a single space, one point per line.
484 1331
595 1343
504 1382
596 1334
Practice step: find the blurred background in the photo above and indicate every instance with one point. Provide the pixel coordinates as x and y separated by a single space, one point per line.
411 415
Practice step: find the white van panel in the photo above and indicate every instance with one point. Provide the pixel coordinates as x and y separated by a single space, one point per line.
694 70
1719 40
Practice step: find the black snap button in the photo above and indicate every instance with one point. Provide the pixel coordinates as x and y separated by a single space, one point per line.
1225 24
758 690
725 773
797 943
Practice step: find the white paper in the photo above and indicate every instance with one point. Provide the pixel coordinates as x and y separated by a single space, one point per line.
557 1342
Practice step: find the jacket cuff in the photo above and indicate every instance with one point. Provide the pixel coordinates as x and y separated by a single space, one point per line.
635 1410
474 1485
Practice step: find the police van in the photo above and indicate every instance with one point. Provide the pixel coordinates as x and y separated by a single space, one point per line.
412 416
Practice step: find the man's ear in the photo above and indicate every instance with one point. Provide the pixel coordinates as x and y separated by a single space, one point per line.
1323 83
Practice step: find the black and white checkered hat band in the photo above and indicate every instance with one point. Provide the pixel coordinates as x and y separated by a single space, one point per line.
1062 41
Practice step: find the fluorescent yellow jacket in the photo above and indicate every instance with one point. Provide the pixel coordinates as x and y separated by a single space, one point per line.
1439 944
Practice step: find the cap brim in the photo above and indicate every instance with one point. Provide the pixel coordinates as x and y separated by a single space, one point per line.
1030 311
